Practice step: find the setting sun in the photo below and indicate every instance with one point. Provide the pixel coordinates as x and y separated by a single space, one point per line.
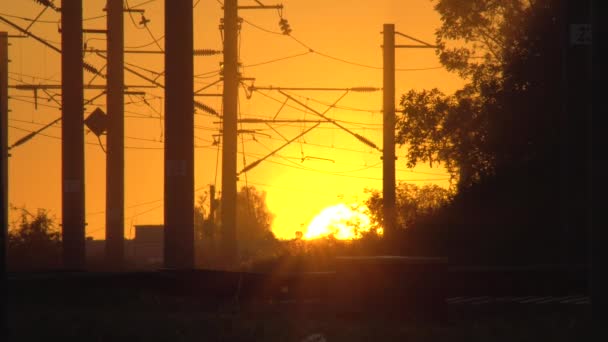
342 221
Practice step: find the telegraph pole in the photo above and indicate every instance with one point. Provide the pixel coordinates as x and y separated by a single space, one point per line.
388 146
72 132
3 170
388 155
179 138
229 151
4 143
115 158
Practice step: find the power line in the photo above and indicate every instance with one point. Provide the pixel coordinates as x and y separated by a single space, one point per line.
338 59
131 16
32 122
257 162
45 21
30 76
352 176
95 144
153 38
277 60
354 109
146 44
295 165
16 98
306 112
356 151
356 135
27 19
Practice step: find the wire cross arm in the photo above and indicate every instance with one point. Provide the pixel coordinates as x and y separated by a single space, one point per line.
353 89
416 46
262 6
424 45
334 122
257 162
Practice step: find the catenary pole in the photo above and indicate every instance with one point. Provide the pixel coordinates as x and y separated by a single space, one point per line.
179 135
229 151
115 158
388 147
72 132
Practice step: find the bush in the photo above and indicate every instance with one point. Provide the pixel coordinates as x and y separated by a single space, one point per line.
34 242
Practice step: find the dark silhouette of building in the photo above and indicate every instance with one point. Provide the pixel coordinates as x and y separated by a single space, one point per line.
144 251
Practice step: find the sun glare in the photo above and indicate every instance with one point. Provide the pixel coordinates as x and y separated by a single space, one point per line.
342 221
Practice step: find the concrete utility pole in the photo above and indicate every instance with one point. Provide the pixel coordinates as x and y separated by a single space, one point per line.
388 155
388 146
72 132
229 151
3 151
179 135
115 158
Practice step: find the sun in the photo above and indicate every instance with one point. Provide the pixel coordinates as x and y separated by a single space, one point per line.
342 221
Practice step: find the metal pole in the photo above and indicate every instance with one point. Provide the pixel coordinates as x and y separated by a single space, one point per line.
179 141
388 149
231 82
115 158
72 131
3 169
212 204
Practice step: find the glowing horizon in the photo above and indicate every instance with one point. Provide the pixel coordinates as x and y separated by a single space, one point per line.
322 168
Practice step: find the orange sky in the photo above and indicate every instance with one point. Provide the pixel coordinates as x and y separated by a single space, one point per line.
336 167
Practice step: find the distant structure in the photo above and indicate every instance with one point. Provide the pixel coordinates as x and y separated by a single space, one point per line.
145 251
148 245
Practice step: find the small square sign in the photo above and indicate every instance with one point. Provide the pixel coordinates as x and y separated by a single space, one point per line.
97 122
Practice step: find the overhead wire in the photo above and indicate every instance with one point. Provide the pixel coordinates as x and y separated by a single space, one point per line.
339 59
277 60
304 111
273 61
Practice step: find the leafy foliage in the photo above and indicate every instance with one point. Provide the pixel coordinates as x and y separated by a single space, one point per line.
412 201
34 242
254 224
509 54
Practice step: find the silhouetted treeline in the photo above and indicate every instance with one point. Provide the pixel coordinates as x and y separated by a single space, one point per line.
34 242
517 153
254 230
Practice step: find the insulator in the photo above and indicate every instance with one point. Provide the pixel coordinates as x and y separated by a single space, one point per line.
88 67
205 108
365 140
206 52
364 89
47 3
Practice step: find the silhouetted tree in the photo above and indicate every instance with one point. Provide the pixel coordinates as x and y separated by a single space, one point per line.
412 203
509 54
254 224
34 242
504 136
254 228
